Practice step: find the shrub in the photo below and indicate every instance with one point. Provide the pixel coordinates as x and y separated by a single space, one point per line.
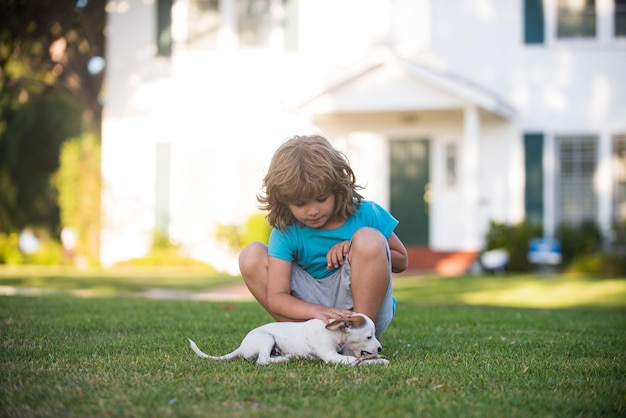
49 252
9 249
160 257
615 265
588 264
515 239
578 240
256 228
584 245
617 249
79 186
163 253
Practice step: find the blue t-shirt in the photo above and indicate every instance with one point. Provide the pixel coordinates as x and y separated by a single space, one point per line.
308 246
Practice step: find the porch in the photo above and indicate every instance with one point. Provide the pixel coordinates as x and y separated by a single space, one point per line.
423 259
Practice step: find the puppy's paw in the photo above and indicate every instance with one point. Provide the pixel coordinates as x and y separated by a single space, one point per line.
370 359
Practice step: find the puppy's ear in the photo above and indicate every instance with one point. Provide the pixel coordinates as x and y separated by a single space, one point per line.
356 321
345 324
337 324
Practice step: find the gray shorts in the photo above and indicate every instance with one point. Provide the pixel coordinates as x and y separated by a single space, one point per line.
335 290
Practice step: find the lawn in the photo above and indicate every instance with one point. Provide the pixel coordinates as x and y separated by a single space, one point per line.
111 282
451 355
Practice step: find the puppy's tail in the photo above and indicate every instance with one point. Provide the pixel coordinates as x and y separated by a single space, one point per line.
196 350
199 352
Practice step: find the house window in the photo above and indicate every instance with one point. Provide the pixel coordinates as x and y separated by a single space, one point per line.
619 151
247 24
255 23
451 166
576 19
576 197
620 18
203 24
267 24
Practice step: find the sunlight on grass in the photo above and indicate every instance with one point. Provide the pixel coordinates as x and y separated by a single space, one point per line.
532 291
552 295
513 290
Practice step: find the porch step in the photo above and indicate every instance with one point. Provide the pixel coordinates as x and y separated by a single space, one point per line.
448 263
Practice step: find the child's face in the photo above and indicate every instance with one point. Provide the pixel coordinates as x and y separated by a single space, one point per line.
316 213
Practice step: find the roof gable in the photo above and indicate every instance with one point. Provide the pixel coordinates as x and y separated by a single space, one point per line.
385 82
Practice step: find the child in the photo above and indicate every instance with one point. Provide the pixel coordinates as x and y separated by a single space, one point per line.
330 253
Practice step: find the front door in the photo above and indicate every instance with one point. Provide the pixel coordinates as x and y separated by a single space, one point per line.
410 189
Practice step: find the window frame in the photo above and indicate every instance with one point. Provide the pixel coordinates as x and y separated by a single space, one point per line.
276 32
565 14
543 15
451 156
581 181
619 177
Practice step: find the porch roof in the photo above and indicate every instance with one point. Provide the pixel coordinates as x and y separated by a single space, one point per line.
385 82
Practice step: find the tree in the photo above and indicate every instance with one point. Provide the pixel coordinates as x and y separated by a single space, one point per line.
47 94
30 154
80 172
49 45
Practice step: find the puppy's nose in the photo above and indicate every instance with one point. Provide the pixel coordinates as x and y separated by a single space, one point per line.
380 349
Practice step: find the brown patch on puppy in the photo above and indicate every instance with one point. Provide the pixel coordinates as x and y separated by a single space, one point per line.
346 323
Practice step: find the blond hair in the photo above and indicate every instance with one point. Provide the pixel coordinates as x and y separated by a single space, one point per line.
305 168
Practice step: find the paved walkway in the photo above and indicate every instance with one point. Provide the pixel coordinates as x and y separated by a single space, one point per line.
231 293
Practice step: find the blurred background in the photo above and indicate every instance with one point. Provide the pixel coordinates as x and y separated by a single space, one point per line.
138 131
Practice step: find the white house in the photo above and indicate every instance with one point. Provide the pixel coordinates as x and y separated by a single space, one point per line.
453 113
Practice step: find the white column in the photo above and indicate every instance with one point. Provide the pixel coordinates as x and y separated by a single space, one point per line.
606 21
227 39
470 171
550 15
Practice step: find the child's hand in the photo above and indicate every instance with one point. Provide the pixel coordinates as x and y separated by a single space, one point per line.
328 314
336 255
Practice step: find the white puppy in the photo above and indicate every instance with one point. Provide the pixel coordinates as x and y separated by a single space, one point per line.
310 340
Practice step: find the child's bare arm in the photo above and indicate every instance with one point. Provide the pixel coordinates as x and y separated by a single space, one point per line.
284 305
399 257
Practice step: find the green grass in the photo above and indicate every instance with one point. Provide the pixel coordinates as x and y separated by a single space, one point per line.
123 356
530 291
558 291
112 282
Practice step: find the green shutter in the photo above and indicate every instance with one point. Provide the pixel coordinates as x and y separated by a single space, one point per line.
164 28
533 22
619 21
533 165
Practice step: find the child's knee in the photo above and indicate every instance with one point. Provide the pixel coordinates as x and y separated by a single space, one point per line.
369 241
253 257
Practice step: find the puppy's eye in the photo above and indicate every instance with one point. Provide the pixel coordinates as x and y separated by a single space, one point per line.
369 338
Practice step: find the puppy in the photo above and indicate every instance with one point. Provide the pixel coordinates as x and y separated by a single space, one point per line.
279 341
